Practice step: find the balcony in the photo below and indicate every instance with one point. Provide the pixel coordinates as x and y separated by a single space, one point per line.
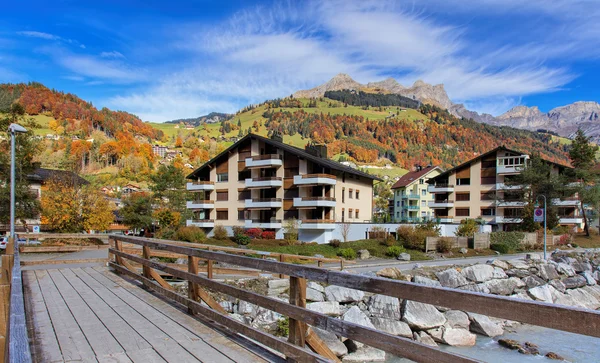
566 202
200 204
510 204
410 196
570 220
200 185
445 219
309 202
507 220
410 207
202 223
264 161
448 203
502 186
317 224
263 223
265 203
266 182
441 188
315 179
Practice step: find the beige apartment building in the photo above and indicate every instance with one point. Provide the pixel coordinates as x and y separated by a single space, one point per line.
479 188
261 182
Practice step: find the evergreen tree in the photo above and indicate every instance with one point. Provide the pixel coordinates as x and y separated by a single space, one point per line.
583 158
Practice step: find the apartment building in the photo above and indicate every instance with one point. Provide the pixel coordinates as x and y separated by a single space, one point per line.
261 182
479 188
412 197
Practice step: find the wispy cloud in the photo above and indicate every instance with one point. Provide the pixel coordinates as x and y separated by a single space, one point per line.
41 35
112 54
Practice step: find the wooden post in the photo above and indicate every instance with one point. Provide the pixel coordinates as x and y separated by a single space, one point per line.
192 287
281 259
118 247
341 264
209 267
298 298
146 255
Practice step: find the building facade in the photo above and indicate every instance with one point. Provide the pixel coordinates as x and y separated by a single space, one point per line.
481 188
262 183
412 197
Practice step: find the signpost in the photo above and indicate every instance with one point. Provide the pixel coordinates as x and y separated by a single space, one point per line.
36 229
539 214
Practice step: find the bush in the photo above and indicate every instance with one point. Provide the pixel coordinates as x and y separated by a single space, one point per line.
575 245
291 230
560 230
241 239
283 327
564 240
220 232
500 247
347 253
429 226
506 242
335 243
444 244
254 232
165 233
238 230
267 235
389 241
414 238
467 228
394 251
377 232
190 234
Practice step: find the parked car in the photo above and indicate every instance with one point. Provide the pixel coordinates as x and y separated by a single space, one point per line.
3 242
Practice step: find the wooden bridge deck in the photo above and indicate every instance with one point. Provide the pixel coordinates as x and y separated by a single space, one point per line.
92 315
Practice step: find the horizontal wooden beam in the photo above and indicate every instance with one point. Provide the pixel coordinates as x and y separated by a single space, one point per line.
50 249
574 320
390 343
63 262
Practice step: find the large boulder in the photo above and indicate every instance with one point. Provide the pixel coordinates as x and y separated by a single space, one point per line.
246 308
426 281
394 327
482 288
504 286
584 298
356 316
532 281
457 319
574 282
589 278
365 354
391 273
580 266
482 324
403 257
499 263
266 319
541 293
451 278
423 337
458 337
314 295
514 272
479 273
278 286
363 254
547 272
332 341
331 308
519 264
315 286
421 316
343 294
499 273
384 306
565 269
558 285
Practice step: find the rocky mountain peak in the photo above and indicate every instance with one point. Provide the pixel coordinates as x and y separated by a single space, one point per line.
521 111
388 84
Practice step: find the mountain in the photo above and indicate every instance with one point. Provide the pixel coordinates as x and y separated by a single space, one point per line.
211 118
340 82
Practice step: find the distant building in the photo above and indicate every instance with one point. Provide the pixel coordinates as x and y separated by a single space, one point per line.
159 150
411 196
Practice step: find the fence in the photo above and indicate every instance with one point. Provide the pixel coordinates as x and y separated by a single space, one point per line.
456 242
574 320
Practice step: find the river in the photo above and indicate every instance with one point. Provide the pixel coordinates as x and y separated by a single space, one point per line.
573 347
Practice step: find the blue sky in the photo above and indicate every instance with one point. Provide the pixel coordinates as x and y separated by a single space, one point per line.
174 59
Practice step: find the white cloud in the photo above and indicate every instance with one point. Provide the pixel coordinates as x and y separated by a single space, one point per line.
92 67
112 54
41 35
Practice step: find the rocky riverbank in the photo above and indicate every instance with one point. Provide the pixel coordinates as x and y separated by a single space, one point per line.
567 279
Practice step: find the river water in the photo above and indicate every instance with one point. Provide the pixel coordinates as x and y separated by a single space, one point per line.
573 347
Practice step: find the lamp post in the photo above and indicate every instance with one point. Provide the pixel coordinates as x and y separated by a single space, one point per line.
545 212
13 129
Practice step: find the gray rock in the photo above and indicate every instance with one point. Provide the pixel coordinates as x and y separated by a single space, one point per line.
541 293
597 276
423 337
278 286
521 296
594 290
390 273
580 266
479 273
343 294
227 305
365 354
481 324
519 264
426 281
584 298
385 307
363 254
421 316
574 282
548 272
393 327
463 250
314 295
315 286
458 337
457 319
499 273
403 257
558 285
533 256
533 281
331 308
265 318
505 286
332 341
565 269
482 288
451 278
246 308
589 278
513 272
354 315
499 263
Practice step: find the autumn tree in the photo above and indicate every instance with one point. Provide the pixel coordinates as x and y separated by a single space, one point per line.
168 187
583 158
137 211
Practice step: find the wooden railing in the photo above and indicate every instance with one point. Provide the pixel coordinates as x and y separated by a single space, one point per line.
203 182
575 320
203 201
329 199
266 157
306 176
266 178
39 236
14 342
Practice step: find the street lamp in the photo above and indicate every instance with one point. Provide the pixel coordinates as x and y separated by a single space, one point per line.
13 129
545 212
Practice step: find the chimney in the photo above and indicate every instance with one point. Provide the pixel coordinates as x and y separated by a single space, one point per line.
418 167
318 150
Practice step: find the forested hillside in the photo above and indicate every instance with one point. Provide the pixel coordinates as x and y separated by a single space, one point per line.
362 98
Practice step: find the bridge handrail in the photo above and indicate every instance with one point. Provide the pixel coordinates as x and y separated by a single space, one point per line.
573 320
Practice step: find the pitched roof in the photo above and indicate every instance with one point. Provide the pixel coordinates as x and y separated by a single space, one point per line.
412 176
292 149
43 175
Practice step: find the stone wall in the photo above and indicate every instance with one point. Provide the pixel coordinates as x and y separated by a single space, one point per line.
481 241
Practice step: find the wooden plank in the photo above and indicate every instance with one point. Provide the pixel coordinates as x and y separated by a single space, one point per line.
298 298
126 336
231 344
44 343
390 343
318 345
269 340
575 320
64 262
71 339
54 249
17 350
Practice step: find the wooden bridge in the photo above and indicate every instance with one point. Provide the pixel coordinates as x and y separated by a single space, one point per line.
94 314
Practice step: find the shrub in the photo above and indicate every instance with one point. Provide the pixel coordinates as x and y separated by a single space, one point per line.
254 232
389 241
467 228
238 230
267 235
506 242
241 239
347 253
444 244
575 245
394 251
190 234
335 243
429 226
560 230
564 240
291 230
500 247
166 233
414 238
220 232
377 232
283 327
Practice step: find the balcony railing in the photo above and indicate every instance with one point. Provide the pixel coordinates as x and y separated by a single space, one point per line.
442 203
200 185
264 182
440 188
317 224
315 179
263 161
410 196
206 223
200 204
411 207
263 223
263 203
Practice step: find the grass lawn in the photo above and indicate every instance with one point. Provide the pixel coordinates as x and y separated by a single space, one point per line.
592 241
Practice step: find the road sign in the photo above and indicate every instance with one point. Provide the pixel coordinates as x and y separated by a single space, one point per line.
36 229
538 215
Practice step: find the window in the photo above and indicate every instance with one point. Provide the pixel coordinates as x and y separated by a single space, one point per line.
222 214
349 193
397 203
462 212
424 192
488 180
244 194
356 214
222 195
488 211
243 175
343 219
462 197
423 203
488 195
463 181
343 195
350 213
241 214
421 181
397 214
357 193
222 177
